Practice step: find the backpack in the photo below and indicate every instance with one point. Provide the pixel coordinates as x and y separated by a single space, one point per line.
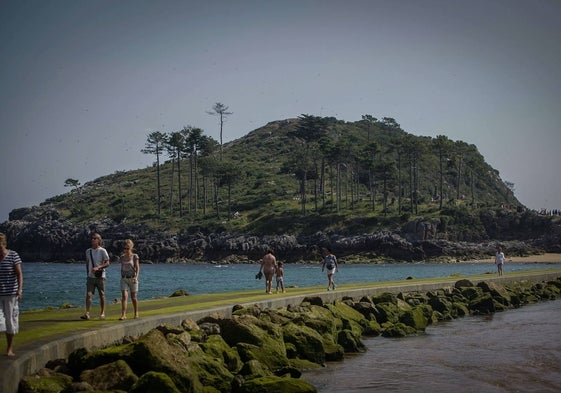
329 262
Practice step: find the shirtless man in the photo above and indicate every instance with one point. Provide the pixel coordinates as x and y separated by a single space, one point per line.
268 267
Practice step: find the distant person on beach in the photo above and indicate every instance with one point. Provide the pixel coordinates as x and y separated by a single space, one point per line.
268 267
330 263
97 260
130 269
280 277
500 260
11 287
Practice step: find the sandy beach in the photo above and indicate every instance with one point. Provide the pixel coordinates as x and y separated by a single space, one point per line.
542 258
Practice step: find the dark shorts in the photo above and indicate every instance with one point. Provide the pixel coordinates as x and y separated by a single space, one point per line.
94 282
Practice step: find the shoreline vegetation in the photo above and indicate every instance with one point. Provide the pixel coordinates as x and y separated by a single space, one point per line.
261 347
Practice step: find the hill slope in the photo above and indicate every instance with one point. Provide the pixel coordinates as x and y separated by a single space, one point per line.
402 173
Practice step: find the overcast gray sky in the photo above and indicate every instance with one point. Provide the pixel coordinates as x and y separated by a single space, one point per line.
83 82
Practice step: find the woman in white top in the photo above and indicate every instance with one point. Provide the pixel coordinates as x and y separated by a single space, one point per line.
130 269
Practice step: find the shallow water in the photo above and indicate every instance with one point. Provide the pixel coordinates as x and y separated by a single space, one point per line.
512 351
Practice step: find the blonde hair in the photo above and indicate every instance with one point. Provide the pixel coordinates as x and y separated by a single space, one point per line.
129 243
3 241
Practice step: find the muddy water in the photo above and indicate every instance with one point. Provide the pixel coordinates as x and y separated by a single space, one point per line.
513 351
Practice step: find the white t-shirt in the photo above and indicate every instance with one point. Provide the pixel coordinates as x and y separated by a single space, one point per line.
99 256
499 258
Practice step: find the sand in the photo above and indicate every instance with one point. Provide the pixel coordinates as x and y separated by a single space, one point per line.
542 258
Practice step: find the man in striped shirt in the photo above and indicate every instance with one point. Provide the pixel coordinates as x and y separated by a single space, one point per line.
11 286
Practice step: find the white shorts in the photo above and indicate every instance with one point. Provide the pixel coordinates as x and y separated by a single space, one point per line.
9 314
128 284
331 271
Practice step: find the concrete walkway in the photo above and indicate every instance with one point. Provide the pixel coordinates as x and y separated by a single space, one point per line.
34 356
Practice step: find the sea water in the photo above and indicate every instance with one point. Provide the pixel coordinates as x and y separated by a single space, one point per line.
512 351
58 284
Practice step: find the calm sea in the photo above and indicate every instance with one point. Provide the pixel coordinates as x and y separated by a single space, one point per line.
55 284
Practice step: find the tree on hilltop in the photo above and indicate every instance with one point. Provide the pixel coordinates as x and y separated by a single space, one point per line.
221 111
72 183
155 143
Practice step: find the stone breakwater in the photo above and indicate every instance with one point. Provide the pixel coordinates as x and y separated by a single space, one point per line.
41 234
259 349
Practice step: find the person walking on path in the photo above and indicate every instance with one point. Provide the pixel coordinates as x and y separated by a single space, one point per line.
130 269
268 267
97 260
499 260
330 263
11 290
280 277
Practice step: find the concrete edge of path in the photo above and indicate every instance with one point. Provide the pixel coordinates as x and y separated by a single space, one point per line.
29 362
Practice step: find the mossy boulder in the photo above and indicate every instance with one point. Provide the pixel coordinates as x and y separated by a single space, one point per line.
413 298
463 283
307 343
460 309
415 318
443 305
399 329
471 293
254 369
499 292
322 321
366 308
319 319
154 381
350 341
353 321
387 312
483 304
385 297
45 381
255 339
216 347
170 351
113 376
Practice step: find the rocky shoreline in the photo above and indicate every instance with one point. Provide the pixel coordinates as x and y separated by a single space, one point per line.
40 234
261 349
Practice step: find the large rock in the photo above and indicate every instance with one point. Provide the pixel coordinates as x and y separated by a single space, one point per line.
45 381
255 340
112 376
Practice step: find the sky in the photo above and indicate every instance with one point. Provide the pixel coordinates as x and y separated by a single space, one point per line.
82 83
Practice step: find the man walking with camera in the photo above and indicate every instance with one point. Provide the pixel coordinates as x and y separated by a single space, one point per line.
97 260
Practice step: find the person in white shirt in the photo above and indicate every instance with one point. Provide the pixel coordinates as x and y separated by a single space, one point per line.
500 260
97 260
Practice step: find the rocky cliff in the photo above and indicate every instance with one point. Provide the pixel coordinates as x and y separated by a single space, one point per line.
40 234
